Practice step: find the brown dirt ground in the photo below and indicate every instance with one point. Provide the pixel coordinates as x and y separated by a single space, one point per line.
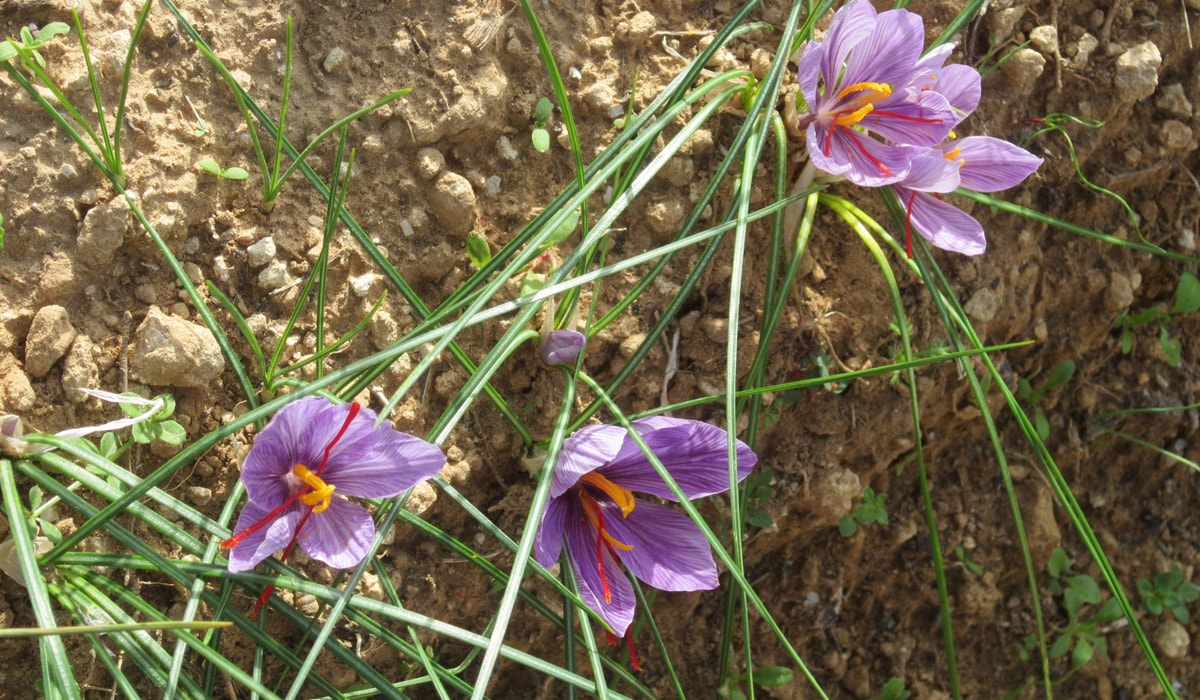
859 609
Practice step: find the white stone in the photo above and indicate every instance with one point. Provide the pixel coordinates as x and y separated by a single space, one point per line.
1137 72
261 252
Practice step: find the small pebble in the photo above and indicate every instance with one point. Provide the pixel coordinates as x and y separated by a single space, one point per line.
199 495
262 252
335 58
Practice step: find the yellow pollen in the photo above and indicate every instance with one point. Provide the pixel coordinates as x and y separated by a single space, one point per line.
953 155
854 110
592 510
322 493
621 496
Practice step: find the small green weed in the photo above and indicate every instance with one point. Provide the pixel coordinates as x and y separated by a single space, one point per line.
541 119
758 490
209 165
870 512
765 677
964 558
27 47
1187 300
893 690
1032 397
1168 592
1081 635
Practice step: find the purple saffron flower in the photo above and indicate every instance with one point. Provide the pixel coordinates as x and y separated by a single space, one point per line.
561 347
867 77
309 455
979 163
593 510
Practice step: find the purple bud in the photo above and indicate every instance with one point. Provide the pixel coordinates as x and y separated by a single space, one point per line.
561 347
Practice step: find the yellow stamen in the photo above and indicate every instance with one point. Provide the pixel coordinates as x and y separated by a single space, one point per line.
621 496
854 117
322 493
953 156
854 110
592 510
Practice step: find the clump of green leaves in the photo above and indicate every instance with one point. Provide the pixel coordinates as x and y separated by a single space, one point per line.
1077 593
157 427
209 165
871 511
37 506
28 45
893 690
1187 300
1168 591
1032 396
765 677
541 119
758 490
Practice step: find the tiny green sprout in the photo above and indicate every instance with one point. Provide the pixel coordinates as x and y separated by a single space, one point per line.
1032 396
541 118
1169 592
478 249
894 689
27 47
209 165
872 511
1187 300
964 558
765 677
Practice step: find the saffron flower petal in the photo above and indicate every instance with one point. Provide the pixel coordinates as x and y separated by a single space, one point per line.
338 537
310 456
943 224
586 450
263 543
669 551
990 164
606 591
548 542
592 510
561 347
692 451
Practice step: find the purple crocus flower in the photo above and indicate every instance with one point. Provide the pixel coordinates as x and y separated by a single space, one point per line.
561 347
867 77
592 509
980 163
311 454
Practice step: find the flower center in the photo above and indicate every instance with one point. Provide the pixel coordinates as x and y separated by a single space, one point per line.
853 111
625 501
322 493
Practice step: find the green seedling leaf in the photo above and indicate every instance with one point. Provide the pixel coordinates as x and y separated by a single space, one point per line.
1060 375
564 230
1083 652
209 165
1173 349
35 498
1187 295
1059 563
542 112
50 31
758 518
532 283
172 433
50 530
478 249
8 50
1060 647
847 527
541 140
1041 424
236 173
1086 587
773 676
